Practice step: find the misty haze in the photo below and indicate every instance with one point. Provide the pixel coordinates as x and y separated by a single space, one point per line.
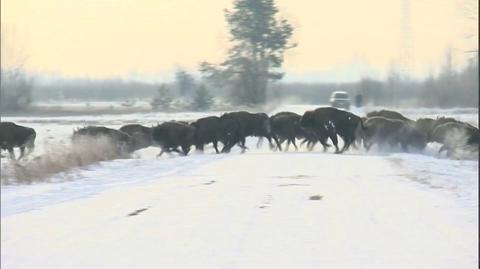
239 134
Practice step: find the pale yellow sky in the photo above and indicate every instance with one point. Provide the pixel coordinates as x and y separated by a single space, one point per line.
107 38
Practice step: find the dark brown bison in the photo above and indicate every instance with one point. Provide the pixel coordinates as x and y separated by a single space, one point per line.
425 126
310 139
382 131
328 122
230 133
389 114
286 126
171 135
122 141
442 120
456 135
428 125
13 135
242 124
208 130
141 135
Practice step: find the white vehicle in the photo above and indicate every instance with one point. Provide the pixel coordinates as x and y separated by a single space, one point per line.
340 99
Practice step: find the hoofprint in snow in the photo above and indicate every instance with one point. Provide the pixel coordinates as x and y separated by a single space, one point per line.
252 210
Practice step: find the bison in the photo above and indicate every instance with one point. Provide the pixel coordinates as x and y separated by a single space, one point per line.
241 124
123 142
171 134
389 114
286 126
141 135
381 131
425 126
13 135
208 130
455 135
428 125
327 122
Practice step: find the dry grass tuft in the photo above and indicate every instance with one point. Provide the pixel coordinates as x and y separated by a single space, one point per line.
59 159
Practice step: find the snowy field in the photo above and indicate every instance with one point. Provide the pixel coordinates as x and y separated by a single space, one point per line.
261 209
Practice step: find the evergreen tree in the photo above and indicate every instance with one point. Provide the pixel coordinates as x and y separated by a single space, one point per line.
184 82
163 98
202 100
259 40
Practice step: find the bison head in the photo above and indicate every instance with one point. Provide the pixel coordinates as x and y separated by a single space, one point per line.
265 126
308 120
417 139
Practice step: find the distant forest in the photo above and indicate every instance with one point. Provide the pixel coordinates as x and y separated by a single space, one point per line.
448 89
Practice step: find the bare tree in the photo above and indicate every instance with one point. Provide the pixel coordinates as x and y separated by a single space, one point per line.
15 85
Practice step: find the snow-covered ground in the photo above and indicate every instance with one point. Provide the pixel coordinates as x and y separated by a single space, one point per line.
252 210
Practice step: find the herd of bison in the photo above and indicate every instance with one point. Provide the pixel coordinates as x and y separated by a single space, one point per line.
383 128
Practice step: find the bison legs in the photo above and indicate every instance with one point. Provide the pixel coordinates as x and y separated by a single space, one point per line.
449 150
311 146
305 140
199 146
241 144
322 138
22 152
367 145
215 146
168 150
160 154
442 148
347 142
225 149
334 139
185 149
227 146
288 145
345 145
277 142
260 142
11 153
293 142
404 146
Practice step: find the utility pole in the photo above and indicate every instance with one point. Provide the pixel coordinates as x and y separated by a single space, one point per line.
406 41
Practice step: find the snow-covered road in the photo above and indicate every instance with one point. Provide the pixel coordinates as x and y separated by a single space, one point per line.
249 210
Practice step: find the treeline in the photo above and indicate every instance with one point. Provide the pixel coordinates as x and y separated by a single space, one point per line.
184 93
93 90
450 88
